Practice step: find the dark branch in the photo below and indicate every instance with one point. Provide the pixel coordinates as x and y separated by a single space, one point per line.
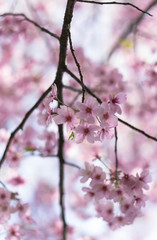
130 28
117 3
116 155
59 76
71 164
32 22
72 89
137 129
78 66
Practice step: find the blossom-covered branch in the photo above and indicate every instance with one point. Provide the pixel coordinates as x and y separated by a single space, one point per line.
99 100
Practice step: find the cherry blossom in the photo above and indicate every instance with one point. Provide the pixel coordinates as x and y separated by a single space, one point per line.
13 158
87 110
49 77
4 196
14 232
66 115
105 192
115 101
86 131
106 115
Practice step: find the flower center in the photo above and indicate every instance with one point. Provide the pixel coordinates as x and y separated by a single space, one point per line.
68 118
88 110
86 130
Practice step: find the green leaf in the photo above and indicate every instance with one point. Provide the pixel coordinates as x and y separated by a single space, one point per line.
71 137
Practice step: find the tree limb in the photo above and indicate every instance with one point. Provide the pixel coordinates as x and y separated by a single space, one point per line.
130 28
117 3
78 66
32 22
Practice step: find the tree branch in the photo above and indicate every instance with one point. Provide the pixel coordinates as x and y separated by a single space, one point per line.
32 22
130 28
72 89
78 66
116 155
137 129
59 75
71 164
117 3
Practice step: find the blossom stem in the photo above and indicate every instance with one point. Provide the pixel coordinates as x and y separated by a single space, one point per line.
66 105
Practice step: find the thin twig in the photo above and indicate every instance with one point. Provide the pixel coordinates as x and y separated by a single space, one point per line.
117 3
116 154
30 21
72 89
130 28
147 35
35 16
71 164
137 129
78 66
74 100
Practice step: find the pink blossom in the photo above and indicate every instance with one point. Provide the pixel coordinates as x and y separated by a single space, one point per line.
86 131
23 210
66 115
126 204
115 101
13 158
87 110
144 178
5 212
90 194
116 194
106 211
13 232
46 117
86 173
53 94
102 191
117 222
98 176
140 201
106 115
105 131
48 150
128 183
4 196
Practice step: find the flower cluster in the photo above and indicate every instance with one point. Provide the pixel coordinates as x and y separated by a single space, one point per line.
125 189
46 113
91 120
9 205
